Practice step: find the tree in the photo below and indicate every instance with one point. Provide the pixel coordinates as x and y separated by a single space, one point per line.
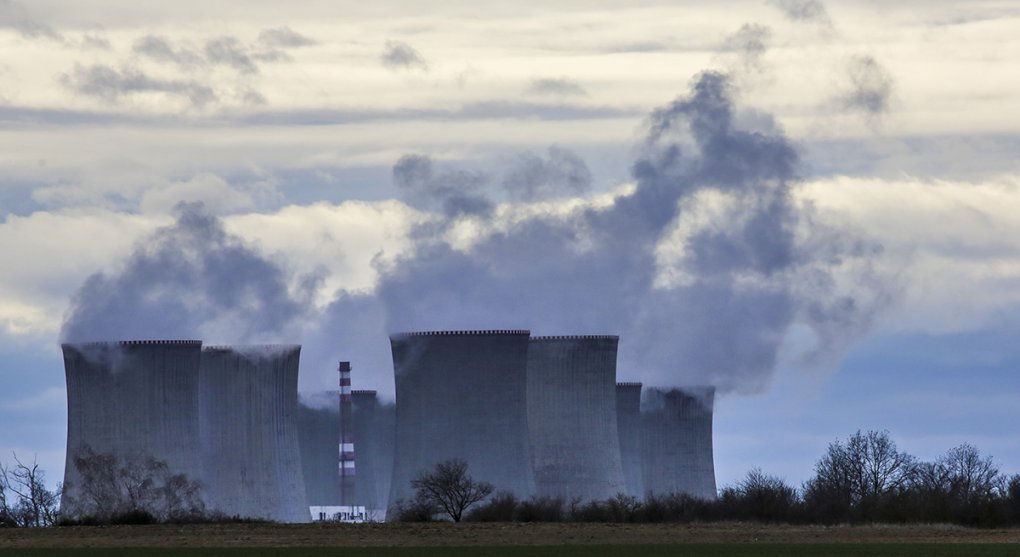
36 505
857 478
970 478
449 488
764 497
131 488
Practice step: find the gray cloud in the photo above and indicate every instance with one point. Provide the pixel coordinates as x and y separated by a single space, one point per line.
229 51
556 86
14 16
454 193
161 49
750 42
398 55
804 10
533 177
188 280
283 37
110 84
870 87
744 278
95 41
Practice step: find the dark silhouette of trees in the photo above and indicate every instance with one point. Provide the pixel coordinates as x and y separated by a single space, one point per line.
858 479
449 488
136 489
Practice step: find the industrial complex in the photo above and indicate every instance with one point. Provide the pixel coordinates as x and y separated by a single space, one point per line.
536 416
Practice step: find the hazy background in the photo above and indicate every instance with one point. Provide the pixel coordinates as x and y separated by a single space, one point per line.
824 224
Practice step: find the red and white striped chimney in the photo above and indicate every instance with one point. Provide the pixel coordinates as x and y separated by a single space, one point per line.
346 468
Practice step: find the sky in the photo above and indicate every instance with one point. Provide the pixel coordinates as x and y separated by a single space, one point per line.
811 205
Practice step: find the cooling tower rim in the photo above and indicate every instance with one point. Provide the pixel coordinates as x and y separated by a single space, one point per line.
481 332
100 343
235 347
629 384
546 338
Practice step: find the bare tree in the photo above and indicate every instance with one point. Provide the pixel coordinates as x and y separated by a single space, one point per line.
37 505
111 488
858 475
449 488
970 478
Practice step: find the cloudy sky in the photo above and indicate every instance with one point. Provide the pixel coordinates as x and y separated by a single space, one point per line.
813 206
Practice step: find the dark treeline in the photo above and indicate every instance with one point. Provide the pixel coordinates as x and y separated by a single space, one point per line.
864 479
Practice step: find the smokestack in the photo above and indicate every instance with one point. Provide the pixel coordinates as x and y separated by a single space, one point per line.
572 417
347 465
628 425
132 398
462 394
676 452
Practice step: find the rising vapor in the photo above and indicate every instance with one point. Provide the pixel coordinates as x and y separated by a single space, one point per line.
707 265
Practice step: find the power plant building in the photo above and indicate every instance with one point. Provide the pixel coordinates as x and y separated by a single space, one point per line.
318 434
628 425
224 416
462 394
374 433
572 417
676 444
131 399
249 418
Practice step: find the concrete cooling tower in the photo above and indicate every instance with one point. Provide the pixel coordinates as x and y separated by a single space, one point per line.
374 433
676 447
572 417
132 399
250 432
628 425
462 394
319 434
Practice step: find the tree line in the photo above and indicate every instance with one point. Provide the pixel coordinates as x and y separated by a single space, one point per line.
864 479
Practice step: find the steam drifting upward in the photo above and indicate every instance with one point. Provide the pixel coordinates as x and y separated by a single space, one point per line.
189 280
707 266
704 268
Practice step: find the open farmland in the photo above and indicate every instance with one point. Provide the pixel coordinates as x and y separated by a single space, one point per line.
508 539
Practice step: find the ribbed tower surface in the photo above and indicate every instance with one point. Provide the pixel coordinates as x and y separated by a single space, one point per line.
319 433
676 453
462 394
374 433
130 399
628 425
250 446
572 417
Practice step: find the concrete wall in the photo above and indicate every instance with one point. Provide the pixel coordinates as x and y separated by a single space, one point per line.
374 435
319 434
628 425
250 446
131 399
462 394
676 454
572 417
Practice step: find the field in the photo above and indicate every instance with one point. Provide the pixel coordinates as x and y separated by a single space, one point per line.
510 540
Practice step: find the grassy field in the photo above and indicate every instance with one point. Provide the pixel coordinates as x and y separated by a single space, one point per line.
510 540
693 550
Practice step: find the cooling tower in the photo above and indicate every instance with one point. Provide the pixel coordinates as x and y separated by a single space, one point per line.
628 425
462 394
572 417
374 431
676 453
319 433
250 442
132 399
